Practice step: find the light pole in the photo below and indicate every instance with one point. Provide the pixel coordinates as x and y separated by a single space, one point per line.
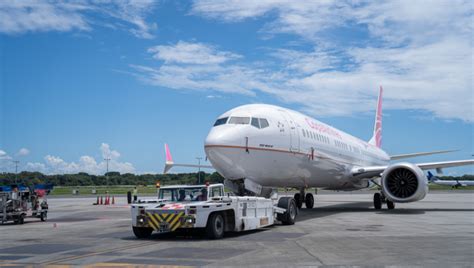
199 169
107 173
16 170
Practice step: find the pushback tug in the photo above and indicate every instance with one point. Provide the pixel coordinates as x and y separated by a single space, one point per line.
208 208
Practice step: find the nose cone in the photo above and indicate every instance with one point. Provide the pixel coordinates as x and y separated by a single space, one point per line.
223 150
223 136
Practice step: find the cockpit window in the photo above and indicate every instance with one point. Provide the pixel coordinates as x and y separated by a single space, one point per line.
255 122
263 123
239 120
221 121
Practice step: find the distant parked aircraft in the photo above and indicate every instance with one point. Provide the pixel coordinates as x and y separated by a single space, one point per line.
452 183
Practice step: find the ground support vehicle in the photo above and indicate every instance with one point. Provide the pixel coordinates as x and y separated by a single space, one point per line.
18 203
179 207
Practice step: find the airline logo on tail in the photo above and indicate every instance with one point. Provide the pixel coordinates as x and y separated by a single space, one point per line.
376 139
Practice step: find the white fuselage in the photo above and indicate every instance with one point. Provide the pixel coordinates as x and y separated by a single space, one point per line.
294 150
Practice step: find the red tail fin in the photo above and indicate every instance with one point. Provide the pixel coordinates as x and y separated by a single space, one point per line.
376 139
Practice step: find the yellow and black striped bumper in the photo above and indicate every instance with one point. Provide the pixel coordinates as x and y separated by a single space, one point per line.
165 222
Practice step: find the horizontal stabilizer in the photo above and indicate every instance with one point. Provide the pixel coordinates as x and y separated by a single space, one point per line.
403 156
169 162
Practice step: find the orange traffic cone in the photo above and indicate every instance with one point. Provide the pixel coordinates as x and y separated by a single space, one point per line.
107 200
113 200
101 200
97 202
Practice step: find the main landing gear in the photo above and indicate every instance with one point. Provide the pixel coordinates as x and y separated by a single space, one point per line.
308 199
379 198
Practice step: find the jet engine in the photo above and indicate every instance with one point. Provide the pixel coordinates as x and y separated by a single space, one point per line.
404 182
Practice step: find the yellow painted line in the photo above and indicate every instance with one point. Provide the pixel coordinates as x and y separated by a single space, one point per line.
116 264
32 265
127 247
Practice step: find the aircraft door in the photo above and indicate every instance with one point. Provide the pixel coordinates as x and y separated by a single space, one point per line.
294 134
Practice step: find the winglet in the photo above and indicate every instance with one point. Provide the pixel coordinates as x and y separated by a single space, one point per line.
376 139
169 160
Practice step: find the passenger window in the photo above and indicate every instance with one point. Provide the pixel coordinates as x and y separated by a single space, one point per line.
255 122
239 120
304 135
221 121
263 123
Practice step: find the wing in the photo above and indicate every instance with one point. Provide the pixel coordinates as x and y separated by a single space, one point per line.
375 171
169 162
402 156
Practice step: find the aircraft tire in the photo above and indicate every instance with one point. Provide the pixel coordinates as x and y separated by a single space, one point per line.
309 200
377 201
390 204
142 232
299 200
289 217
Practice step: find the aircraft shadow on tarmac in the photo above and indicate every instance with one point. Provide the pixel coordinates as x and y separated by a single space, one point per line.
304 215
319 212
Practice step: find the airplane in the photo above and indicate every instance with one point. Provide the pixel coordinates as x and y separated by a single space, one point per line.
260 147
452 183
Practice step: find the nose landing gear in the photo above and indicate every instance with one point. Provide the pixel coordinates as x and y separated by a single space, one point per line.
307 198
379 198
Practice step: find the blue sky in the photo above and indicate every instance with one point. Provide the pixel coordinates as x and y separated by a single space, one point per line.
81 81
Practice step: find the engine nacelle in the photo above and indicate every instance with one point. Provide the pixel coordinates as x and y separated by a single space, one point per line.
404 182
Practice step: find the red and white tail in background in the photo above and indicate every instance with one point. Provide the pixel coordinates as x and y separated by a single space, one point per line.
169 162
376 139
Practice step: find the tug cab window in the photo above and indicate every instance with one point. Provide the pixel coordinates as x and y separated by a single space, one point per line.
239 120
216 191
221 121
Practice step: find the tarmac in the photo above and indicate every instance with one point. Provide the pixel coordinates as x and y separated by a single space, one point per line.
342 230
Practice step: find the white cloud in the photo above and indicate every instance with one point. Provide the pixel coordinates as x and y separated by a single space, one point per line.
421 53
4 155
88 164
39 167
23 152
300 17
395 21
196 66
18 17
108 153
191 53
430 78
6 163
